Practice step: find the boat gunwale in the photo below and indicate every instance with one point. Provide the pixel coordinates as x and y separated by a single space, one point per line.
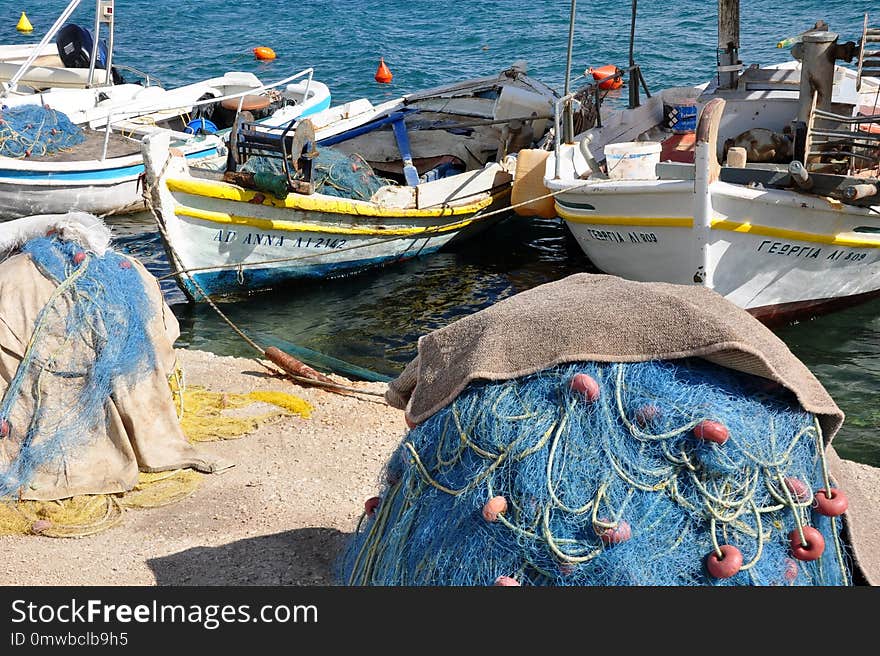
317 202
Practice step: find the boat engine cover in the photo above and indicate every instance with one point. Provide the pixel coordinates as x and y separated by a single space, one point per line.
75 45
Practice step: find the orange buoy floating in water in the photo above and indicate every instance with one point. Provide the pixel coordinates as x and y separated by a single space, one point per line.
263 53
383 75
605 71
24 25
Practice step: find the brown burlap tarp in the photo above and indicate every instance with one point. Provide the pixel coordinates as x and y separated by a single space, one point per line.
141 431
608 319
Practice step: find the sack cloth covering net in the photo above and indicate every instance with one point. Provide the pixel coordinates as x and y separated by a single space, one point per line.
597 431
87 347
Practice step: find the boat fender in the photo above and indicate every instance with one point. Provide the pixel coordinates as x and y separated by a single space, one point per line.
604 72
528 185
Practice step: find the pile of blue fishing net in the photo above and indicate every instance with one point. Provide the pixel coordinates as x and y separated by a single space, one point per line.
534 481
89 338
35 131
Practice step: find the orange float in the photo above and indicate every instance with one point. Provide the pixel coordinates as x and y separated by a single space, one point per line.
383 74
263 53
605 71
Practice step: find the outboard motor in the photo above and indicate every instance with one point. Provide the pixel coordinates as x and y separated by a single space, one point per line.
75 45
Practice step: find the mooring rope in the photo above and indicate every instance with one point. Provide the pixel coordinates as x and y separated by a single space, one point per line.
147 195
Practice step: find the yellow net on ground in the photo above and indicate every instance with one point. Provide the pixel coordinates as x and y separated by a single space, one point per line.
205 416
210 416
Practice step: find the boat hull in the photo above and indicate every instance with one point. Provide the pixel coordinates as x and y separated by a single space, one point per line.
778 254
109 187
228 240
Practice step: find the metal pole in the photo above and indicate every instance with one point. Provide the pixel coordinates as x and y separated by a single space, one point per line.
568 119
633 73
96 38
108 75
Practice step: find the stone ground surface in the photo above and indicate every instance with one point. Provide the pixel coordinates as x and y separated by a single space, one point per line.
279 517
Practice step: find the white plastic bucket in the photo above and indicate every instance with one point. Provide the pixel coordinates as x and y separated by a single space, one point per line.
632 160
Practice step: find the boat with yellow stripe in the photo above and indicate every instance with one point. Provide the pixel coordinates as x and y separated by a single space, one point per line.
360 186
762 184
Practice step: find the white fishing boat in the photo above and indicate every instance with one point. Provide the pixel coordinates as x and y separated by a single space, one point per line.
101 174
445 156
770 198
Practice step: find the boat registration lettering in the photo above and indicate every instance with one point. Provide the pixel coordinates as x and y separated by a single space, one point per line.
620 238
321 242
783 248
847 256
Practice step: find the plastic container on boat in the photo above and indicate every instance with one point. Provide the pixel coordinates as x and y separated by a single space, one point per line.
680 110
632 160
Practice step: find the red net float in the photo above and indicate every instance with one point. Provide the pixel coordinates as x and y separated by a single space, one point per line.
831 503
79 257
812 550
4 428
494 507
585 385
615 535
371 504
506 582
647 414
711 431
727 564
799 490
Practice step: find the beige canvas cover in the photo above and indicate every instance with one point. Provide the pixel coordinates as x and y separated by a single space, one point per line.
141 431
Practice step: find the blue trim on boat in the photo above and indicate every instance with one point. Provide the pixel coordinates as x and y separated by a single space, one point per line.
102 174
226 281
320 107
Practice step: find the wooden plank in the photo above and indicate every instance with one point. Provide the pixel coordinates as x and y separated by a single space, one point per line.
462 188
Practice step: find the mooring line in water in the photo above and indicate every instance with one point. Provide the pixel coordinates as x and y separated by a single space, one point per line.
297 370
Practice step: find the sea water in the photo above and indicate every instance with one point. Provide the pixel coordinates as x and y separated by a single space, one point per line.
373 320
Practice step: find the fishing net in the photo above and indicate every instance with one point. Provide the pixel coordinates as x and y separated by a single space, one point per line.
606 474
211 416
333 172
34 131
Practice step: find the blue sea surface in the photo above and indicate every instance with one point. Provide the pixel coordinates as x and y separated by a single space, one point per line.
373 320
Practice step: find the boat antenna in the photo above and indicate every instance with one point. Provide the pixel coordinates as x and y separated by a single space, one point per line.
12 85
567 118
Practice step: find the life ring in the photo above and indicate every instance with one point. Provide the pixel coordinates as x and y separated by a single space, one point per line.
605 71
528 184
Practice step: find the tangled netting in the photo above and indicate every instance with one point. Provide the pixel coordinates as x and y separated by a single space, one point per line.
35 130
617 490
88 338
333 172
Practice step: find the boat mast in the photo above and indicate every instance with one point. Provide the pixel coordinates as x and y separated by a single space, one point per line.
567 117
729 64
